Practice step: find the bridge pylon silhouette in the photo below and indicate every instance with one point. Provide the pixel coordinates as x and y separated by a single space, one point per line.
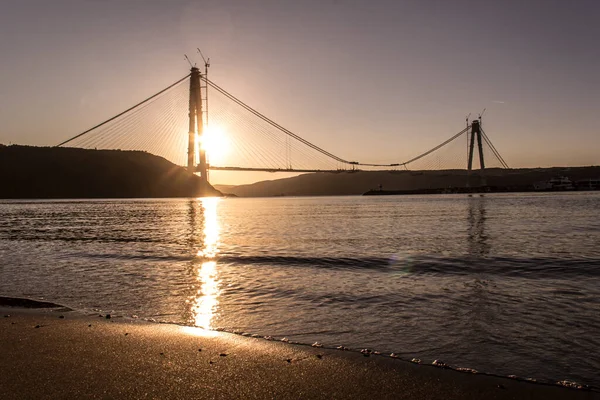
476 134
196 127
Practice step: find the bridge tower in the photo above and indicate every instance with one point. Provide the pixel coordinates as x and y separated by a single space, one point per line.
476 133
196 127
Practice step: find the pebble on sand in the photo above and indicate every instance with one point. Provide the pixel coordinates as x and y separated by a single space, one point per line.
570 384
366 352
439 363
469 370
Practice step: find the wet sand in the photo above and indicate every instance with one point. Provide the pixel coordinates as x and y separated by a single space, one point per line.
50 353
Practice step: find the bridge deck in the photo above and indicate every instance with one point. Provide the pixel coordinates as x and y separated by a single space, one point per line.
215 168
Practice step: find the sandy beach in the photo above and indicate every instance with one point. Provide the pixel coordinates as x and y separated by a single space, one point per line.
50 353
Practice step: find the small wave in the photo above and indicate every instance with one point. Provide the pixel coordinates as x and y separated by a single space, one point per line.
144 257
416 265
506 266
19 236
325 262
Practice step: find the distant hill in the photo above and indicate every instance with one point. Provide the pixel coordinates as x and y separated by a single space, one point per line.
225 189
51 172
356 183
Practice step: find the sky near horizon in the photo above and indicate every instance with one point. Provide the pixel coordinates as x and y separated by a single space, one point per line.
376 81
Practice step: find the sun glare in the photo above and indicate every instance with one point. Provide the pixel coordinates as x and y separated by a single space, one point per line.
206 302
216 144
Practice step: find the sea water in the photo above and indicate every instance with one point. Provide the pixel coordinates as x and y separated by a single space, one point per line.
504 283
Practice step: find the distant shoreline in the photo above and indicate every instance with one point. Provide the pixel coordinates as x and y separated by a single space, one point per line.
412 182
476 190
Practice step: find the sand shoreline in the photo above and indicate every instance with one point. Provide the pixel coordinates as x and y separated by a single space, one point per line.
58 353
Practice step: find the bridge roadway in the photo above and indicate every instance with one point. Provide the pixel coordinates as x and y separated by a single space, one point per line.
336 171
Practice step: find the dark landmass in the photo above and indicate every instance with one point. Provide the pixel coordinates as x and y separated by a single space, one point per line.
357 183
26 303
225 188
28 172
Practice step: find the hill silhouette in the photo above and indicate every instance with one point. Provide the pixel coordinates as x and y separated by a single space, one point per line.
356 183
51 172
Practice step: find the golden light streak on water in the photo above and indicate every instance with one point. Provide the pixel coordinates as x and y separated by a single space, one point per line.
206 302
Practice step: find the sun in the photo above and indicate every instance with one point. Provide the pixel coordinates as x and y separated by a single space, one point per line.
216 144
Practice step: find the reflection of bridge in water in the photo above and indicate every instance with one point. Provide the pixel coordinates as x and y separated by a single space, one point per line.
174 123
477 238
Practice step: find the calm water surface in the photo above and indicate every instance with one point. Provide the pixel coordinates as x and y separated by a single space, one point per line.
507 284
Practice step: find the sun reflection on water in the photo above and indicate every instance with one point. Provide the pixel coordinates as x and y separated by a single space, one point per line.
206 302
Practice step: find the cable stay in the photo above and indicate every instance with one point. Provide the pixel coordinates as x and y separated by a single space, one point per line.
124 112
494 150
436 147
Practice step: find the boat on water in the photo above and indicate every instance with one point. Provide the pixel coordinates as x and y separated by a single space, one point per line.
588 184
559 183
565 183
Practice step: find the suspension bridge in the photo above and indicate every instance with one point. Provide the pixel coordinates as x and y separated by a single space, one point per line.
174 123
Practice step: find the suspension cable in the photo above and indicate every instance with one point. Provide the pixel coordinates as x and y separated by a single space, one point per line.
273 123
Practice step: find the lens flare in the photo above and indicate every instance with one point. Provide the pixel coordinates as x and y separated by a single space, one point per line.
216 144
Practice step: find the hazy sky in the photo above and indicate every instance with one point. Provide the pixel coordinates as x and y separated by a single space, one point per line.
369 80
